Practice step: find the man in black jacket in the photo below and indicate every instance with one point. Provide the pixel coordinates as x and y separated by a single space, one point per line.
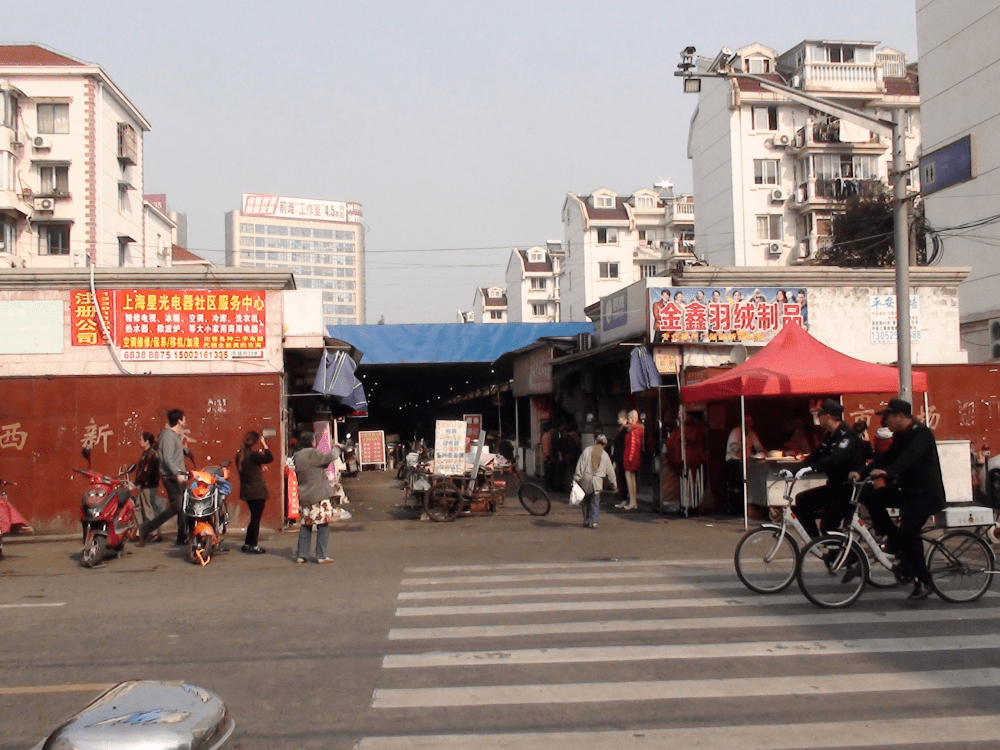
914 485
840 453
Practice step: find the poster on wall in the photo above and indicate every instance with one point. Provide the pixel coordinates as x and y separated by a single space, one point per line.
172 324
882 314
723 315
449 447
473 428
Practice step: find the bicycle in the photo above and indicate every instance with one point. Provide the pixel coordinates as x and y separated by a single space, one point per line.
835 568
533 498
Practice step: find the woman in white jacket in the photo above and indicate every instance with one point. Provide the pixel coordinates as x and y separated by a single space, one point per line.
593 468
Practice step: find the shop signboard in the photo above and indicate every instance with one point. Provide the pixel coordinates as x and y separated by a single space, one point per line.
882 314
371 444
449 447
172 324
283 207
473 429
723 315
667 359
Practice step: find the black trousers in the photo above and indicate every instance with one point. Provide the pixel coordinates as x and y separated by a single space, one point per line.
253 528
831 503
734 487
175 499
905 538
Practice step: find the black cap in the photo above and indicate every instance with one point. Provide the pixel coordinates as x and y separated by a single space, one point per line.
831 408
897 406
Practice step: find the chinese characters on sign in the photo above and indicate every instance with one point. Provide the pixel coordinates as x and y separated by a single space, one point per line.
158 324
723 315
12 436
94 434
449 447
281 207
614 310
882 312
473 427
372 445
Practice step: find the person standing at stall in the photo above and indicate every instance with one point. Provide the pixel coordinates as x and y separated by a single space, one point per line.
734 463
840 453
250 460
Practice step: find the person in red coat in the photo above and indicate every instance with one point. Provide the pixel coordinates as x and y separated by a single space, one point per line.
632 457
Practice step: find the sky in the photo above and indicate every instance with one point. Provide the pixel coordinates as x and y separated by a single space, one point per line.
460 126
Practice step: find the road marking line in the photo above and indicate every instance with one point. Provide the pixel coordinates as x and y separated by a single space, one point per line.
26 606
40 689
692 651
724 562
697 623
882 732
613 575
657 690
644 588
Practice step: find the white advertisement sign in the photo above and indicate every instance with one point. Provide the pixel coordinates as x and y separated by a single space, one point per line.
282 207
449 447
882 313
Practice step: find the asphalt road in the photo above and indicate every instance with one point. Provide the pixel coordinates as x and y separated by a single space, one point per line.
501 631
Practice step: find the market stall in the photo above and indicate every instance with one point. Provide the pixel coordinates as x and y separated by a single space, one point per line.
794 364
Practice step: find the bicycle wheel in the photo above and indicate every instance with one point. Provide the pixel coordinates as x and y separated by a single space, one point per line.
766 560
831 574
534 499
960 563
879 576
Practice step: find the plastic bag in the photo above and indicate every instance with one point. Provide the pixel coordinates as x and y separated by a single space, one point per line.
576 494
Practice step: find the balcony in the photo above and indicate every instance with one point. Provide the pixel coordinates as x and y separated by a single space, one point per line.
817 193
830 134
680 212
861 78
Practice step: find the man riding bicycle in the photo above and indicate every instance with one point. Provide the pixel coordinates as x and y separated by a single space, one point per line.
914 485
840 453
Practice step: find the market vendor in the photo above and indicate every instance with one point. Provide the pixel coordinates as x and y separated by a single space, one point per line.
734 463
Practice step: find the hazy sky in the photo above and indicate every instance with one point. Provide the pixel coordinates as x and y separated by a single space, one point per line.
459 126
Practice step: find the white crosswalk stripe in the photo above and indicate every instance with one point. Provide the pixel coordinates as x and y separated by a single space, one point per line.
526 647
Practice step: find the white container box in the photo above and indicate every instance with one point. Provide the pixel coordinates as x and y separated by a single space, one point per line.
965 515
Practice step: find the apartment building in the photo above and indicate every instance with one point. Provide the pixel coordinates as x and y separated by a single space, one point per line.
612 241
321 242
770 173
490 305
533 284
71 167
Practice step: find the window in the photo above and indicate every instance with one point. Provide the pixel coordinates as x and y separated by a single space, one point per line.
765 118
246 228
607 236
53 118
495 293
538 311
8 109
647 270
604 201
644 201
769 227
7 235
128 144
53 239
124 205
536 257
839 53
537 285
496 314
824 226
7 171
123 253
758 65
765 171
53 180
608 270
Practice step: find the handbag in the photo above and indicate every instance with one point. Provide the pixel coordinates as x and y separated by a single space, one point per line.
576 494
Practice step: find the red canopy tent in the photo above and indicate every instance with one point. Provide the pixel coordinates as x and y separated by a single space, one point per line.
795 363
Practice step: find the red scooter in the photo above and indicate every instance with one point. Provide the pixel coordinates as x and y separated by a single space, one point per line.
107 514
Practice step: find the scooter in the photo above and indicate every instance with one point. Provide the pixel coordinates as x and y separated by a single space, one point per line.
205 512
107 514
350 458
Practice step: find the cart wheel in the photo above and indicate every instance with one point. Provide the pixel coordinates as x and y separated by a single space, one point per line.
442 501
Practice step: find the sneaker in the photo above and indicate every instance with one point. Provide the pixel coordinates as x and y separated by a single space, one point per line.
593 525
300 561
252 550
920 591
325 560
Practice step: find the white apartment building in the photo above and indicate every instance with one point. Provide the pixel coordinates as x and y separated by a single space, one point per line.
533 284
321 242
71 167
490 305
770 173
612 241
960 78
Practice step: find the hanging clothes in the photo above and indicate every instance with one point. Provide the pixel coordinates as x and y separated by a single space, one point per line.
642 370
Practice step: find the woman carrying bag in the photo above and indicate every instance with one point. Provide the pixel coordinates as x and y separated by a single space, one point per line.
253 490
592 469
314 497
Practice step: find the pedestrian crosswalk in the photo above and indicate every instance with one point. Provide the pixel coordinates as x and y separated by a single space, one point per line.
670 654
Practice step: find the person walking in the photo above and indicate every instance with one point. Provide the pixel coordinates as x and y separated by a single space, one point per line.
173 474
250 460
147 479
592 469
315 491
632 458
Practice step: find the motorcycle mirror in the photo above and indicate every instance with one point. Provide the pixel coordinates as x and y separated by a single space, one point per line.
86 454
348 436
225 463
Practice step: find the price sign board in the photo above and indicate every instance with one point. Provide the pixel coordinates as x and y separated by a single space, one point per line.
372 446
449 447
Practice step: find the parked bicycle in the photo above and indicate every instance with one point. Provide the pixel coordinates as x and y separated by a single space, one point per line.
834 569
449 496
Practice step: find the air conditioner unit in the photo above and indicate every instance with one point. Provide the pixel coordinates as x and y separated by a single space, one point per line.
774 249
769 142
994 327
44 204
583 341
778 195
782 140
41 141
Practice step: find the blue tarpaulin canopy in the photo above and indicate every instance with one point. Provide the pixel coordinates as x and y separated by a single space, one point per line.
447 342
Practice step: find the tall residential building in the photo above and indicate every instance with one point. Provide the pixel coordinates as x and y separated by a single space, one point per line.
71 167
490 305
321 242
533 284
770 173
960 162
613 241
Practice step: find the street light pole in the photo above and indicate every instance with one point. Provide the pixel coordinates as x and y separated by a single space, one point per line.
896 128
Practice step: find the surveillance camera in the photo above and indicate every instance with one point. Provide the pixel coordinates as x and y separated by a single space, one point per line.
688 51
